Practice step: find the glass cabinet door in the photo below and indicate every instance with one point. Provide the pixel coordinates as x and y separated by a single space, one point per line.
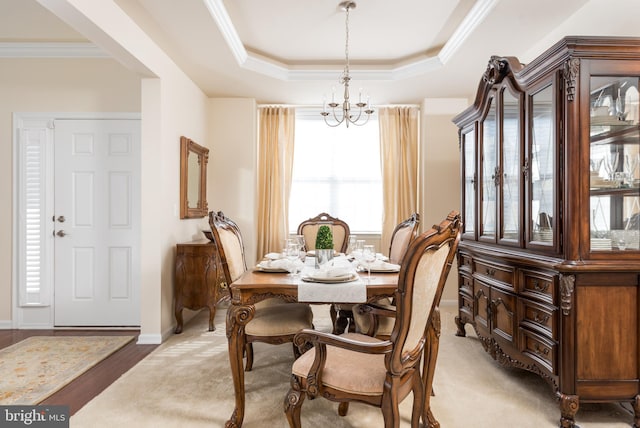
542 154
614 164
490 174
511 166
469 189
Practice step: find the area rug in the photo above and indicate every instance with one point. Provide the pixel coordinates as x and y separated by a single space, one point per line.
36 367
186 382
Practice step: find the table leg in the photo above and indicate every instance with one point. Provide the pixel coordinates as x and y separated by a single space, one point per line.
237 317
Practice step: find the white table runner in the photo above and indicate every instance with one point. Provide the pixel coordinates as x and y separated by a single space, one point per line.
342 292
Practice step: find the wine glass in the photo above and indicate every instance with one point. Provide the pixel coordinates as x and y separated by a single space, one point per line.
611 164
292 254
301 246
352 244
368 257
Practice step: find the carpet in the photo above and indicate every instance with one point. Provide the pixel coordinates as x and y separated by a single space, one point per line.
34 368
186 382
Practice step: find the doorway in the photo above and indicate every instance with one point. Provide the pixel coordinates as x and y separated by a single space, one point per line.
79 252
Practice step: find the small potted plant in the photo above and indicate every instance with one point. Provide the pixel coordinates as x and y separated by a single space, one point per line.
324 245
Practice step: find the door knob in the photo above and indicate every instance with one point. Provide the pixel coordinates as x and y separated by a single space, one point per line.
61 219
61 233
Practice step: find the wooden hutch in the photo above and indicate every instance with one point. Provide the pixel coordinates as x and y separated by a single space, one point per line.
549 263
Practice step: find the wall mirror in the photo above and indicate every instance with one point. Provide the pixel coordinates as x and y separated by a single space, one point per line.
193 179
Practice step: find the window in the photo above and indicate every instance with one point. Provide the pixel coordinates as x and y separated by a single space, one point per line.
336 170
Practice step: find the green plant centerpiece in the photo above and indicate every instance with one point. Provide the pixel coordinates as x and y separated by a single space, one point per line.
324 245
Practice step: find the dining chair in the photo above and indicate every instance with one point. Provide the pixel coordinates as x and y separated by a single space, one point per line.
341 315
365 321
339 229
274 321
381 373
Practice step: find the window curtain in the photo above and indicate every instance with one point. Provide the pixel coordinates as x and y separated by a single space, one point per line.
275 165
399 163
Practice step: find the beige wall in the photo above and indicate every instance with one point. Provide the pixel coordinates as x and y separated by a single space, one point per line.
50 85
440 170
231 181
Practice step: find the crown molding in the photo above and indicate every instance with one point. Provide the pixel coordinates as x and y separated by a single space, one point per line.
50 50
279 70
268 66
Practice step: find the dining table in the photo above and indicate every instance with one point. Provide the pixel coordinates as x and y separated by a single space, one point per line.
255 285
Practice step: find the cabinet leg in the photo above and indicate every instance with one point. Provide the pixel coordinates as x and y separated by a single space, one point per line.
636 411
212 314
568 408
178 313
461 331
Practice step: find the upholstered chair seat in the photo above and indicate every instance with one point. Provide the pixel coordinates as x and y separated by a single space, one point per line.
347 371
279 319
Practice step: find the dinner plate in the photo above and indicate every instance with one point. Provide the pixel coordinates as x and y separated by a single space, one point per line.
333 280
384 270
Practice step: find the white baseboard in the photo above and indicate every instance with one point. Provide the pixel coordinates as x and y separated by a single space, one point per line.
155 339
149 339
6 325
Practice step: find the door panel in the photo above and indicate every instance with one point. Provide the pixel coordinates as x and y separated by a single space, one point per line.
97 192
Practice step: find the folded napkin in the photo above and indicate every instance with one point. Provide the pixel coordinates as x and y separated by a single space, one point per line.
273 256
283 264
336 268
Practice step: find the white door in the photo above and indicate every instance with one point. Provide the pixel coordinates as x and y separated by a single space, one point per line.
97 223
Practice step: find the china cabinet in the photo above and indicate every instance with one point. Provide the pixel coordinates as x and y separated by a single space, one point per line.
200 281
549 263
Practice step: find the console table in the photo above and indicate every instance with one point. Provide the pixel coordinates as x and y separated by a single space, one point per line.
199 279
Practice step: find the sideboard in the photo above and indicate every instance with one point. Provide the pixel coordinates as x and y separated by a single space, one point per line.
199 280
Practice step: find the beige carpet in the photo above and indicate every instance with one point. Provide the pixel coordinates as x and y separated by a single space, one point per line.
186 382
34 368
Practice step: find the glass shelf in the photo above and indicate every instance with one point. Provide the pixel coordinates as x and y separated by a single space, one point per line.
614 164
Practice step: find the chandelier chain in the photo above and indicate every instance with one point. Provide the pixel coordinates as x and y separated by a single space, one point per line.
346 45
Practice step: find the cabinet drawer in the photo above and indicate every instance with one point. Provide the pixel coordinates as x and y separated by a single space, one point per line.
542 350
465 284
465 261
538 286
501 273
466 305
538 317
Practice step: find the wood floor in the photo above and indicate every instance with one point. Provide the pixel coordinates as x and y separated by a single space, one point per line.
91 383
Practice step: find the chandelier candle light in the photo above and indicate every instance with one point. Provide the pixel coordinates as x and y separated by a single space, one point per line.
347 116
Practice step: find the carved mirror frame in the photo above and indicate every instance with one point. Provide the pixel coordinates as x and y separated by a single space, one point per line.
193 179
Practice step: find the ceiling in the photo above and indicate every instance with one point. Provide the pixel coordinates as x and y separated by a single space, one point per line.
292 51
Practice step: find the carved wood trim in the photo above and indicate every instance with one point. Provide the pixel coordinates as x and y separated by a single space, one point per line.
566 292
496 70
497 353
570 72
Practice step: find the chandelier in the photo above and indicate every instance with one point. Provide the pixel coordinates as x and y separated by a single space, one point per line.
346 115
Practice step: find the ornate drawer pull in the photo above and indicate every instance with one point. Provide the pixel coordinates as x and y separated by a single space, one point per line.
224 285
540 287
540 319
491 272
541 350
